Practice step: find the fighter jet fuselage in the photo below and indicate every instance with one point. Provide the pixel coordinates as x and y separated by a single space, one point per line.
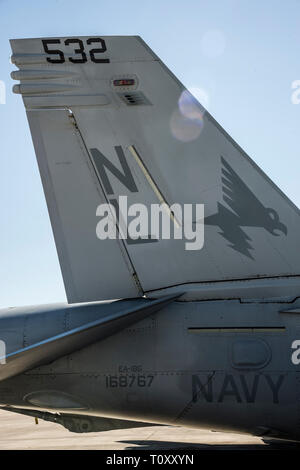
225 365
205 334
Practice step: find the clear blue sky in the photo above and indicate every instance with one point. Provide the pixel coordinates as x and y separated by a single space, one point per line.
244 54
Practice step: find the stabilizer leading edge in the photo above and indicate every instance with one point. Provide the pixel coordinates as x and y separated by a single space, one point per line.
45 351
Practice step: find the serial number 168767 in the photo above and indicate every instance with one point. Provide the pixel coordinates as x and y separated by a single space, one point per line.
128 380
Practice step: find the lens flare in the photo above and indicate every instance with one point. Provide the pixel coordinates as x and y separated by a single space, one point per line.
187 121
184 128
193 103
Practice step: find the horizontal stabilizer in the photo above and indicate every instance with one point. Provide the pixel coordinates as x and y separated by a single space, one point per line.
80 423
50 349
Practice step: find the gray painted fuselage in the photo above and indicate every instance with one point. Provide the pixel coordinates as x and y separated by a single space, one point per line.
222 364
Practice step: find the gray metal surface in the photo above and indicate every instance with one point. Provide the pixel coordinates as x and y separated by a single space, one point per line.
224 365
74 110
225 355
24 354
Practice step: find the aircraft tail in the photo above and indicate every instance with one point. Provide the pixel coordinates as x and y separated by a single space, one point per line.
110 121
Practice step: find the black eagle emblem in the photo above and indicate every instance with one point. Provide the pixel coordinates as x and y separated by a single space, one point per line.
246 210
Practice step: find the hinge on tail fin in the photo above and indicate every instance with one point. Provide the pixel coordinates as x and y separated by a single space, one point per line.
122 245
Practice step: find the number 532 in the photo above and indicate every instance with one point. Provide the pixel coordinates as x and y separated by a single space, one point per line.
77 51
